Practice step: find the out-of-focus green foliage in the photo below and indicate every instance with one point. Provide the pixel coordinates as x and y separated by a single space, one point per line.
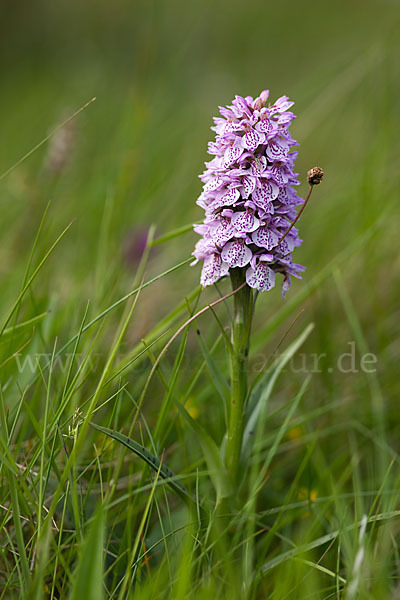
128 161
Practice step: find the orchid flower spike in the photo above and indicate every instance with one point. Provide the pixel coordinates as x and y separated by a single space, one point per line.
248 195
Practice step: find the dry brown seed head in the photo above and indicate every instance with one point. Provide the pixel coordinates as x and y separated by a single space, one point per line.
315 175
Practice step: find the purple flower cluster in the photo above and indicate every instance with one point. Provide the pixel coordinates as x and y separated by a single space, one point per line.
248 197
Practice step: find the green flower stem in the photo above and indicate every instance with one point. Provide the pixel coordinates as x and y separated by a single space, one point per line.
241 328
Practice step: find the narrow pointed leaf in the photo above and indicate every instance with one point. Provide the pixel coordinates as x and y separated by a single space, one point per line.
150 459
88 579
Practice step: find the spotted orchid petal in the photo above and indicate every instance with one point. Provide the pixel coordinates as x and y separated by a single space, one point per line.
213 148
286 246
228 197
236 254
248 185
213 269
285 118
252 139
201 229
265 238
213 184
261 278
232 154
283 196
222 231
262 201
232 126
283 104
245 222
265 125
276 149
241 105
265 193
278 175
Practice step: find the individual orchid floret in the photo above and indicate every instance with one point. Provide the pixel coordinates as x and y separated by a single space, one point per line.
248 195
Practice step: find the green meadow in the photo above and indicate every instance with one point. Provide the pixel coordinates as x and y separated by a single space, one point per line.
114 396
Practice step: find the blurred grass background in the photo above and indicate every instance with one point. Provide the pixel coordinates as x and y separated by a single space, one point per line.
158 71
131 159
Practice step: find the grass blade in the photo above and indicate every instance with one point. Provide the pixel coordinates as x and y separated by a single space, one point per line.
88 578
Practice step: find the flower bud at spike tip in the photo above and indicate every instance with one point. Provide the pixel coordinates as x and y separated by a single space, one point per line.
249 196
315 175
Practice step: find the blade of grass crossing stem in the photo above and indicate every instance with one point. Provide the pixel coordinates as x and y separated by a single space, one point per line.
159 369
179 310
227 340
258 413
12 482
88 577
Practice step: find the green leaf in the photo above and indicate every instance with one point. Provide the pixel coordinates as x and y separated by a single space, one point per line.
218 473
260 405
88 577
278 437
150 459
220 383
